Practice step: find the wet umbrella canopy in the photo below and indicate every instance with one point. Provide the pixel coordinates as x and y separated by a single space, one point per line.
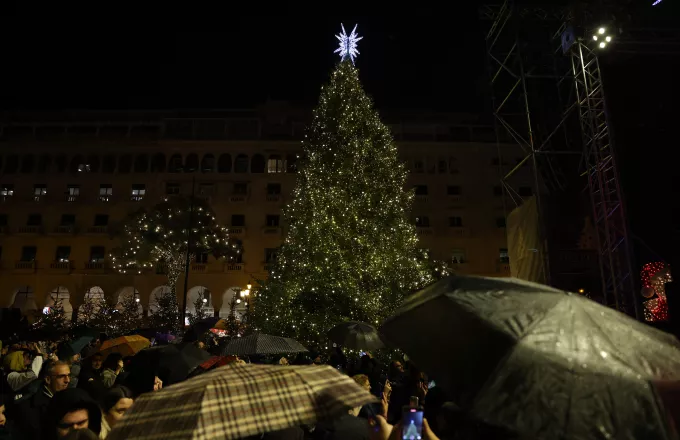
540 361
356 335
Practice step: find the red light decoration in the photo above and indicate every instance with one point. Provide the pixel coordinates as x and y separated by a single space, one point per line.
654 278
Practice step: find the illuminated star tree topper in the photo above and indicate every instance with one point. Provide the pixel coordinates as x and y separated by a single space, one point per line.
348 44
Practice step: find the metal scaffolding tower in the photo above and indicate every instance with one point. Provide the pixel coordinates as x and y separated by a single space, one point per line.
555 92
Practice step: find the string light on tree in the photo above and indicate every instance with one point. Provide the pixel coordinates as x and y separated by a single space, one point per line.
654 278
350 251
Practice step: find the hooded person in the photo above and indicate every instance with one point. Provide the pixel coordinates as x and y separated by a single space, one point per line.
70 410
23 368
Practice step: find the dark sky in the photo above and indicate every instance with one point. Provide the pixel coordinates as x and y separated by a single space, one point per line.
131 56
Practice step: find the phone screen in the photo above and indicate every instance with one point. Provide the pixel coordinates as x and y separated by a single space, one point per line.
412 422
432 384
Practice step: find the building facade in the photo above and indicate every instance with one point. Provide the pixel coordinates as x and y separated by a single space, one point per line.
66 187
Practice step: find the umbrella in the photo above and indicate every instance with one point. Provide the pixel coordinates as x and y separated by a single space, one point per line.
543 362
202 326
259 343
356 335
171 363
69 349
238 401
125 345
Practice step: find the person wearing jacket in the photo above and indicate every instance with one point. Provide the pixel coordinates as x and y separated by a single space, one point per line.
70 410
24 367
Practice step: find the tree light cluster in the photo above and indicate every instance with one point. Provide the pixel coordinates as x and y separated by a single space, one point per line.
654 278
350 252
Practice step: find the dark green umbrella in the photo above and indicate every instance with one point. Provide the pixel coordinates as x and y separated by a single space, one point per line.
69 349
356 335
546 363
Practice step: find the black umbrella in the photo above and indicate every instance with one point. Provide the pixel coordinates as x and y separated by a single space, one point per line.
171 363
69 349
259 343
356 335
540 361
199 328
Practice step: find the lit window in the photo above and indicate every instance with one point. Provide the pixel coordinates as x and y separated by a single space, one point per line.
206 189
272 221
105 193
171 188
276 165
270 255
39 192
84 168
458 256
455 222
6 191
423 222
73 193
503 255
138 192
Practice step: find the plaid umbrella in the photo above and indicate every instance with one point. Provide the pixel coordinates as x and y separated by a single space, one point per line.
239 401
125 345
356 335
259 343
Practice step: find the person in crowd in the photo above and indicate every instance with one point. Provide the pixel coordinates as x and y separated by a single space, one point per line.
5 433
348 426
92 368
111 368
283 361
81 434
114 403
23 367
71 410
413 385
30 412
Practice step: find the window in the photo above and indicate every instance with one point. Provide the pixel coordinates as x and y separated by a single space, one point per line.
276 164
423 222
175 165
240 188
453 165
125 164
141 163
39 192
3 220
291 163
273 189
67 220
28 253
202 258
270 255
109 164
525 191
191 163
272 221
503 255
455 222
44 163
208 163
171 188
158 163
83 168
34 220
27 164
105 192
257 164
431 166
73 192
498 191
500 222
61 162
63 254
206 189
6 191
421 190
442 166
138 192
101 220
238 220
418 166
97 254
241 164
458 256
224 163
12 164
453 190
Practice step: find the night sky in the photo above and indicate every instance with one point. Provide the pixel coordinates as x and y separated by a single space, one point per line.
147 57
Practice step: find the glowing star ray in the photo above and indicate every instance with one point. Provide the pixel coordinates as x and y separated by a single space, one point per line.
348 43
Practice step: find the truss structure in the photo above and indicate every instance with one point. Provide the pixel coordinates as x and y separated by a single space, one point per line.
555 91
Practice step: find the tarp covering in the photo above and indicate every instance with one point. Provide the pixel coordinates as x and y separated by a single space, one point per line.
524 243
545 363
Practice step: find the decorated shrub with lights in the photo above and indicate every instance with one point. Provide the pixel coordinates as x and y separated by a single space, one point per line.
654 278
160 238
350 252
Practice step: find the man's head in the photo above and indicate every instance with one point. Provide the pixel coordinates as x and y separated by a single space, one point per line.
97 361
201 345
71 410
57 376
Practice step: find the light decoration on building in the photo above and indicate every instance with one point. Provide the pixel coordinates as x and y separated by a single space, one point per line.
654 278
348 44
656 2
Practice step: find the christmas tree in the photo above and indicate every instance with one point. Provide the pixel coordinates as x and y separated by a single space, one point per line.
128 317
164 235
350 252
199 313
54 319
234 326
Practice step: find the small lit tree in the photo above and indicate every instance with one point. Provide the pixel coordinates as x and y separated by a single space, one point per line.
234 326
199 306
53 319
105 318
128 318
165 234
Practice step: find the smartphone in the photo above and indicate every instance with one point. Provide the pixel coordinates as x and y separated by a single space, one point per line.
412 423
362 353
431 385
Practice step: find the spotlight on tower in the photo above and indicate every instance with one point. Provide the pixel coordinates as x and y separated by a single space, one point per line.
602 45
601 31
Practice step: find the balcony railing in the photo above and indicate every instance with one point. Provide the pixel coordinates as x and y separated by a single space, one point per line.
95 266
238 198
234 267
60 266
199 267
69 229
72 197
29 229
25 266
459 231
237 231
421 198
274 198
97 229
456 199
424 230
271 230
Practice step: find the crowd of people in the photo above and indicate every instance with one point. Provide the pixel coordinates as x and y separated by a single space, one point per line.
48 395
